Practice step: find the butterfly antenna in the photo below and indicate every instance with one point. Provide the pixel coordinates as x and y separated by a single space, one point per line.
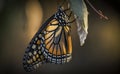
97 11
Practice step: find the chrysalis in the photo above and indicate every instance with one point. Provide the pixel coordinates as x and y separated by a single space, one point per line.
80 11
81 14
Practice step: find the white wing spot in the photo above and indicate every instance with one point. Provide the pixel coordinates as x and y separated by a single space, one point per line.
60 17
35 53
30 54
37 65
34 46
39 52
36 39
42 38
60 21
58 14
45 32
38 47
40 35
61 14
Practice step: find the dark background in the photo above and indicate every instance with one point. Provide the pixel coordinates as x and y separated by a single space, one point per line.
100 53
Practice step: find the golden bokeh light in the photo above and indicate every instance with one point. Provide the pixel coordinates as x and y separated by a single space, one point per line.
34 17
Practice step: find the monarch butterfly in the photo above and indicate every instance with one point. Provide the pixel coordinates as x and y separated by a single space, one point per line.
51 44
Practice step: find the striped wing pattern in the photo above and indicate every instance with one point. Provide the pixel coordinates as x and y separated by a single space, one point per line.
51 44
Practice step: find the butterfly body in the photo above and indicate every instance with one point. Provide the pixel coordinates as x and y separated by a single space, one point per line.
51 44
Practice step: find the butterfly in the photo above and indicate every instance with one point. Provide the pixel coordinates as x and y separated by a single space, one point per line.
51 44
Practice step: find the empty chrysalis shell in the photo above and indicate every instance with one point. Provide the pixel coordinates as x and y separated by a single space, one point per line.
79 9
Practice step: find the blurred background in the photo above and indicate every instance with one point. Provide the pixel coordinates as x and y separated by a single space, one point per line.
20 20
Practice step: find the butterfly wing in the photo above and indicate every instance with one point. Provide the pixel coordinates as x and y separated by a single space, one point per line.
52 43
